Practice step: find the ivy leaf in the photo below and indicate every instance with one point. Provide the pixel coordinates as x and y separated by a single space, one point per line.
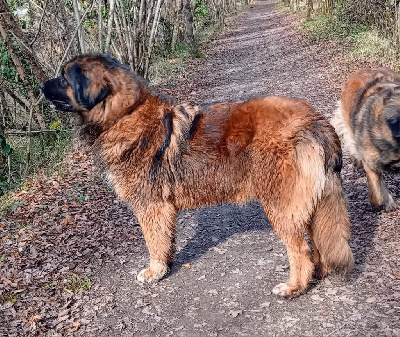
7 149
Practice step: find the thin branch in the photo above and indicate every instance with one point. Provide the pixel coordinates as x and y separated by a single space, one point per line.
14 95
34 132
100 24
72 38
29 49
40 24
153 31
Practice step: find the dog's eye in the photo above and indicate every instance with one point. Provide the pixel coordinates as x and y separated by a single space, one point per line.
63 81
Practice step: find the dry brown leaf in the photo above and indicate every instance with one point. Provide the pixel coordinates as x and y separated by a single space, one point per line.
35 318
68 220
187 265
75 326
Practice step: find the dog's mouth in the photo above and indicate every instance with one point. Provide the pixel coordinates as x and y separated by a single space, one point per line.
61 105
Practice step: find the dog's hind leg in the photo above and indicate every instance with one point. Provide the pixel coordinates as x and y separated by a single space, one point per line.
299 254
378 192
158 223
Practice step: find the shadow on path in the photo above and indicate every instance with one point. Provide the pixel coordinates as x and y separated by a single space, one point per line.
217 224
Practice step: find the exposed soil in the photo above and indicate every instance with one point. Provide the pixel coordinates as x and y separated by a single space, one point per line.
228 257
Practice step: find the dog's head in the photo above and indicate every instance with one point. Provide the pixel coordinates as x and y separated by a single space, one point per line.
391 113
97 86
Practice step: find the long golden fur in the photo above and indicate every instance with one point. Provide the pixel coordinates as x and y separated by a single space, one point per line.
162 158
368 119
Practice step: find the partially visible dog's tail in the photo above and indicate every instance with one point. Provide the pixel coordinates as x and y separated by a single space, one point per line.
344 131
330 228
320 162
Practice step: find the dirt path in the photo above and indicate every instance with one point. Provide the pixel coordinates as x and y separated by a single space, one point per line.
228 258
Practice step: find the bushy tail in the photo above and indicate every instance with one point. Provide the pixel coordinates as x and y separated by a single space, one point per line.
344 131
330 229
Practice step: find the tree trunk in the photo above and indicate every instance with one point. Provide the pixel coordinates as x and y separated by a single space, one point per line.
80 28
109 26
187 14
310 8
176 24
156 19
100 24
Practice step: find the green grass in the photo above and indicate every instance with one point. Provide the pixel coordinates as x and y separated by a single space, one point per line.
325 27
359 41
47 151
371 44
7 203
281 8
76 283
8 298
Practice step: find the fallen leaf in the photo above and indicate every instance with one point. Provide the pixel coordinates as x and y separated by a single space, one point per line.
68 220
265 305
187 265
317 298
34 319
371 299
235 313
75 326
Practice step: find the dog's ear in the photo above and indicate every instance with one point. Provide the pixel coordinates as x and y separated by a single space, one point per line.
391 102
386 93
394 126
80 84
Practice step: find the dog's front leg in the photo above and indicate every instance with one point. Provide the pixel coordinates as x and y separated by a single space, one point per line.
158 226
378 192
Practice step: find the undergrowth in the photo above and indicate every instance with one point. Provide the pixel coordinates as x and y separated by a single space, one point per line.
173 63
359 41
47 151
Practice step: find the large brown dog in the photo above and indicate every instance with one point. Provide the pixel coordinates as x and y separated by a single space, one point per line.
368 119
162 158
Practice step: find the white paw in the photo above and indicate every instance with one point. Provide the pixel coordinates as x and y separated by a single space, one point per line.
141 276
281 289
151 275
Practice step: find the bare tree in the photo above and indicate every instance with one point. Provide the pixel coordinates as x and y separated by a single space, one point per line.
77 13
136 32
109 25
187 14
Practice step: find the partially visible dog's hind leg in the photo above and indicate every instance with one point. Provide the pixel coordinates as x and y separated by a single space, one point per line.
299 254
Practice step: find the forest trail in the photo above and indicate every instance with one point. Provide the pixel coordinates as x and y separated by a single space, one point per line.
228 258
